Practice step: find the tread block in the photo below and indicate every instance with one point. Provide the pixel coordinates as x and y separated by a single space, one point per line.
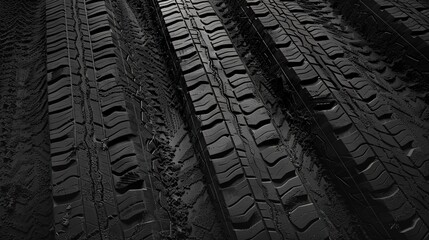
418 230
120 130
346 67
68 187
376 176
265 134
124 164
199 92
291 189
303 215
131 204
215 132
58 177
221 146
232 194
315 231
282 169
121 149
306 73
332 49
224 163
243 210
205 104
249 106
257 118
293 56
256 231
338 119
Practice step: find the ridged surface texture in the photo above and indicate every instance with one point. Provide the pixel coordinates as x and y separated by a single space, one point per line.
214 119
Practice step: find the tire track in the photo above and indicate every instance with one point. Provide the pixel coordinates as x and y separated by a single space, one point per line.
399 29
25 196
294 129
143 92
235 121
283 115
191 180
88 120
203 31
410 107
101 180
154 98
302 77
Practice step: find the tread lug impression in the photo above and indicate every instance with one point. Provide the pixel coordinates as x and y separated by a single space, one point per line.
214 119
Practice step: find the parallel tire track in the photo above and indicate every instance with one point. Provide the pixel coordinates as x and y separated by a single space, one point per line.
188 137
185 198
252 176
294 128
336 93
112 117
100 172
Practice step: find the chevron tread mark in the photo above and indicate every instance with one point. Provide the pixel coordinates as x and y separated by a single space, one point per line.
177 185
400 29
214 119
233 124
293 127
331 105
99 174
